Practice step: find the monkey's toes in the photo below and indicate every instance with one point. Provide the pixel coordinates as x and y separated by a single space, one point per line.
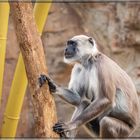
60 127
60 132
62 135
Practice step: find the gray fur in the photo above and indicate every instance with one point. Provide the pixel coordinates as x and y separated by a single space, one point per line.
103 94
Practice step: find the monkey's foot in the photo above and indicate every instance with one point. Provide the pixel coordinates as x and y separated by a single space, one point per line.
66 130
62 127
59 130
42 80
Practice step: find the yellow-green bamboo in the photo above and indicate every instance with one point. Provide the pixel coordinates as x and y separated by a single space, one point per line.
40 13
4 15
15 100
19 83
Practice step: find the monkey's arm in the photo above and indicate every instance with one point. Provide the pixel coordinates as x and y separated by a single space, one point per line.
92 111
96 108
66 94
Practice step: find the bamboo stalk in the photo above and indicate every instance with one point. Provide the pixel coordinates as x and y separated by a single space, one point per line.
40 13
11 124
15 100
4 15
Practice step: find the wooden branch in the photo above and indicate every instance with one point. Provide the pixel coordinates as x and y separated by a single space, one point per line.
34 60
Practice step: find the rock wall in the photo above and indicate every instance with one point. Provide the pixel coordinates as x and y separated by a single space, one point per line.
115 26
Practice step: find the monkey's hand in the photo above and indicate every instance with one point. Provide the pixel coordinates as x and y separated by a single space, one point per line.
42 80
64 129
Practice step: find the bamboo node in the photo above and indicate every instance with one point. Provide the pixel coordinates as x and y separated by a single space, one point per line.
3 38
11 117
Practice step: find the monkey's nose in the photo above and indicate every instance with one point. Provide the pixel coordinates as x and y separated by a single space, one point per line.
66 49
70 51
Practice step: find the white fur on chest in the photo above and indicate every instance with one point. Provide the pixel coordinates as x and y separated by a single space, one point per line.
86 79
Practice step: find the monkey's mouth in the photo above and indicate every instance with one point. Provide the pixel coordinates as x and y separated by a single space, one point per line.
69 55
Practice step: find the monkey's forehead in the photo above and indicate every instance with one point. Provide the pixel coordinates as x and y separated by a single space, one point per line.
80 37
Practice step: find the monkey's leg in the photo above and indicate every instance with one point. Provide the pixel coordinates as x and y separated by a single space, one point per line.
65 129
61 127
113 128
77 112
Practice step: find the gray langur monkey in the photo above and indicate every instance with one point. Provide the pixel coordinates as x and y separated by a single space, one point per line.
104 96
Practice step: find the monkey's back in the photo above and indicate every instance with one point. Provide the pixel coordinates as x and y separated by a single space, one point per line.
126 98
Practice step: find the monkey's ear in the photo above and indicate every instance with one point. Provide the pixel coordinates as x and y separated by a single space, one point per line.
91 40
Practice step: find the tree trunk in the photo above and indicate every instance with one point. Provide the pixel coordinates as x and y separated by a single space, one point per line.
34 60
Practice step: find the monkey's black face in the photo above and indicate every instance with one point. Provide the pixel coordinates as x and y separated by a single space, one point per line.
78 47
71 49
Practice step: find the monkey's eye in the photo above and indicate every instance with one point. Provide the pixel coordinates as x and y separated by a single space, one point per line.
91 41
71 42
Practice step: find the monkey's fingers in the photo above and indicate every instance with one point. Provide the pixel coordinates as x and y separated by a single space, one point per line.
42 80
59 124
52 87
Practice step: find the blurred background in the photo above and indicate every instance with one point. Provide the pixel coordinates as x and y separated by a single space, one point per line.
115 26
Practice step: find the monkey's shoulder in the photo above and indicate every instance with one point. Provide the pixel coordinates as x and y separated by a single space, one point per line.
107 65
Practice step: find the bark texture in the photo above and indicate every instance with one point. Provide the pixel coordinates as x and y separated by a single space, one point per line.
115 25
33 54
